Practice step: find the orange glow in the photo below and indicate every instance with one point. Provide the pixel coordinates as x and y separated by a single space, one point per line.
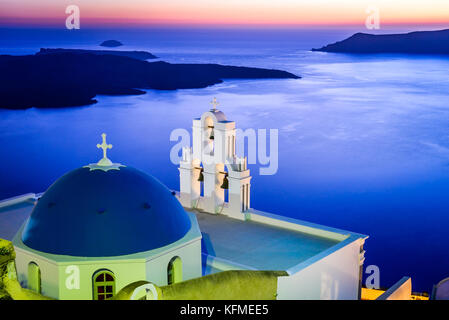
230 12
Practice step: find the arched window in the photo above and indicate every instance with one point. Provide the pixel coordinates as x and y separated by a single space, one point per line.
103 284
34 277
174 270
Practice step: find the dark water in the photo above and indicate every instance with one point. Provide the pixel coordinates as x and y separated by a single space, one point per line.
363 140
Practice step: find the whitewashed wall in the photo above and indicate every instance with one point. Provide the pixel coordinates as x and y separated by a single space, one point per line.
49 272
335 276
126 271
156 269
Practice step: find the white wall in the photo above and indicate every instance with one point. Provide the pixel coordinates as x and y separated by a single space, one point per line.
126 271
335 276
190 254
48 268
401 290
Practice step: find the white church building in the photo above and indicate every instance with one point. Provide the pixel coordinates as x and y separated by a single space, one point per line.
109 225
322 262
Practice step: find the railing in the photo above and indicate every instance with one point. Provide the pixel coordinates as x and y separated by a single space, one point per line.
15 200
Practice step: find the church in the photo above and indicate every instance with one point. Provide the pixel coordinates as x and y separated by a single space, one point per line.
106 225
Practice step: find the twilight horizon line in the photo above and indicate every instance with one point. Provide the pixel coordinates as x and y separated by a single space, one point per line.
125 24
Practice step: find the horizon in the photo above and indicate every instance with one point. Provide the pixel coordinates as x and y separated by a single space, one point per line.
386 29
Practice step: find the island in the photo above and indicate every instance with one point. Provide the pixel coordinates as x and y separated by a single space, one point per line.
74 78
140 55
419 42
111 43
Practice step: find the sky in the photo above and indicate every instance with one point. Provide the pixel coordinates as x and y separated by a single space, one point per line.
225 12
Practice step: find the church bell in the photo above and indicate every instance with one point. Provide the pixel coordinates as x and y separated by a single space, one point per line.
201 176
212 134
225 184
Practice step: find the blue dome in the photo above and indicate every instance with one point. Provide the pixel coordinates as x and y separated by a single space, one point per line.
105 213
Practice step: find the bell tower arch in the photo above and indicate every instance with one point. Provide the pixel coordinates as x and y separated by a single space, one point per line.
214 148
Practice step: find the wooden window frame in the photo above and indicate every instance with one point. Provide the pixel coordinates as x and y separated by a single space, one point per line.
103 283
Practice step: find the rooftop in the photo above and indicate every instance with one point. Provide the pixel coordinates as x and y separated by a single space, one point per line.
232 243
12 217
258 245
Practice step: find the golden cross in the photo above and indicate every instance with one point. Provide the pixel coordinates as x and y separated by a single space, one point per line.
214 103
104 146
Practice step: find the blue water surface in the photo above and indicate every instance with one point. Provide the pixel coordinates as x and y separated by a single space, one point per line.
363 140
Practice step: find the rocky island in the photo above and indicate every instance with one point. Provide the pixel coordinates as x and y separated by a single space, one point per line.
111 43
420 42
66 78
140 55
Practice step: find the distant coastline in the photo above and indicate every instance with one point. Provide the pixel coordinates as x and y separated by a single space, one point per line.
420 42
140 55
55 78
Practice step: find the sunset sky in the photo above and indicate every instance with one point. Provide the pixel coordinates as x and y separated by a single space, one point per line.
224 12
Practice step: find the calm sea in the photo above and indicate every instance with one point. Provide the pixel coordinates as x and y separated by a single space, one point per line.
363 140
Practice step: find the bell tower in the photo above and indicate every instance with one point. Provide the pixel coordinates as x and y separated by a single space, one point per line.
211 168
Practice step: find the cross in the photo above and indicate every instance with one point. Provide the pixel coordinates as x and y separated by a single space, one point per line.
214 103
104 146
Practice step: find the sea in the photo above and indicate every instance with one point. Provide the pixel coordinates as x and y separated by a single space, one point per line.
363 140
